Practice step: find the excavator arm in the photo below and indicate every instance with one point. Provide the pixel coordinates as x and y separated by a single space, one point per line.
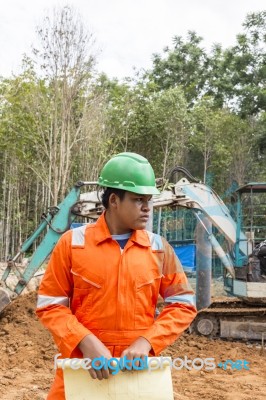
56 222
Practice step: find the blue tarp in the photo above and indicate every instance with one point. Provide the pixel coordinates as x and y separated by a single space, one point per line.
76 225
187 256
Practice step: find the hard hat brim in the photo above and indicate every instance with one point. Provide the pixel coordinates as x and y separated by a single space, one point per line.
144 190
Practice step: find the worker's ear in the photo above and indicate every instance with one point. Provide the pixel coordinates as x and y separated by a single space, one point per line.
113 200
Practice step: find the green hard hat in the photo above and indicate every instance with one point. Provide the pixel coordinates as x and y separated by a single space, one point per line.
130 172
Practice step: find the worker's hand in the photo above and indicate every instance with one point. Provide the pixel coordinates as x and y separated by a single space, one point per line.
91 347
138 349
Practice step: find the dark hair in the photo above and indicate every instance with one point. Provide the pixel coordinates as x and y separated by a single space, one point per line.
107 193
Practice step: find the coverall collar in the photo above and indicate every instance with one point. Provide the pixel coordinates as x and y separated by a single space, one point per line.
102 233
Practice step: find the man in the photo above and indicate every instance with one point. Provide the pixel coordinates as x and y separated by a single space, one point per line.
98 296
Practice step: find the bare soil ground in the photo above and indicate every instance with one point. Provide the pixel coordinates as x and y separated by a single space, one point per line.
27 352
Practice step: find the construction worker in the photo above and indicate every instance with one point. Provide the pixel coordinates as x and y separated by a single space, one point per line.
99 293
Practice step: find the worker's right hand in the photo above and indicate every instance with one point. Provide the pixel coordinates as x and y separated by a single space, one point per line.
91 347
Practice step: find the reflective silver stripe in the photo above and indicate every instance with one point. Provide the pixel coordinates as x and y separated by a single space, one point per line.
182 298
44 301
156 241
78 236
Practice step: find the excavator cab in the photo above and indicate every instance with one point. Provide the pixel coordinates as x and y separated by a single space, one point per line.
243 314
251 217
250 268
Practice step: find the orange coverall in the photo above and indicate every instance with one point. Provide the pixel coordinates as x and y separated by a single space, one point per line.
91 287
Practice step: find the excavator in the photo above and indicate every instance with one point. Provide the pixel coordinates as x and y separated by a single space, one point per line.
242 314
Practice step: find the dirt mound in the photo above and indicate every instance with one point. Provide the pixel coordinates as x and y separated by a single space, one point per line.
27 353
224 382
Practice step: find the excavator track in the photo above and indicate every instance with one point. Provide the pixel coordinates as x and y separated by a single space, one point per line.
231 318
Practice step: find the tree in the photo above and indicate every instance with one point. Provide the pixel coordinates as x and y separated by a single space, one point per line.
184 65
45 142
66 60
234 77
224 142
237 75
205 132
170 127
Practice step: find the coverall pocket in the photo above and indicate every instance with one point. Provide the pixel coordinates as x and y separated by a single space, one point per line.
87 289
86 280
147 292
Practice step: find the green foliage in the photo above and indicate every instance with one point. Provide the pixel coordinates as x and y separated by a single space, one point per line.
169 128
185 65
234 77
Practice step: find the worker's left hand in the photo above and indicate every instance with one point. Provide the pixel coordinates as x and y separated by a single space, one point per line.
138 349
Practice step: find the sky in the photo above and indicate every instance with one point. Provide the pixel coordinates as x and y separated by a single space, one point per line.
127 32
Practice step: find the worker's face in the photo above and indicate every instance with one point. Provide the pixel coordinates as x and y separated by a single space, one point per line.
132 212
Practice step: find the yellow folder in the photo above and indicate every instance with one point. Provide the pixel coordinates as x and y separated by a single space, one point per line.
154 383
